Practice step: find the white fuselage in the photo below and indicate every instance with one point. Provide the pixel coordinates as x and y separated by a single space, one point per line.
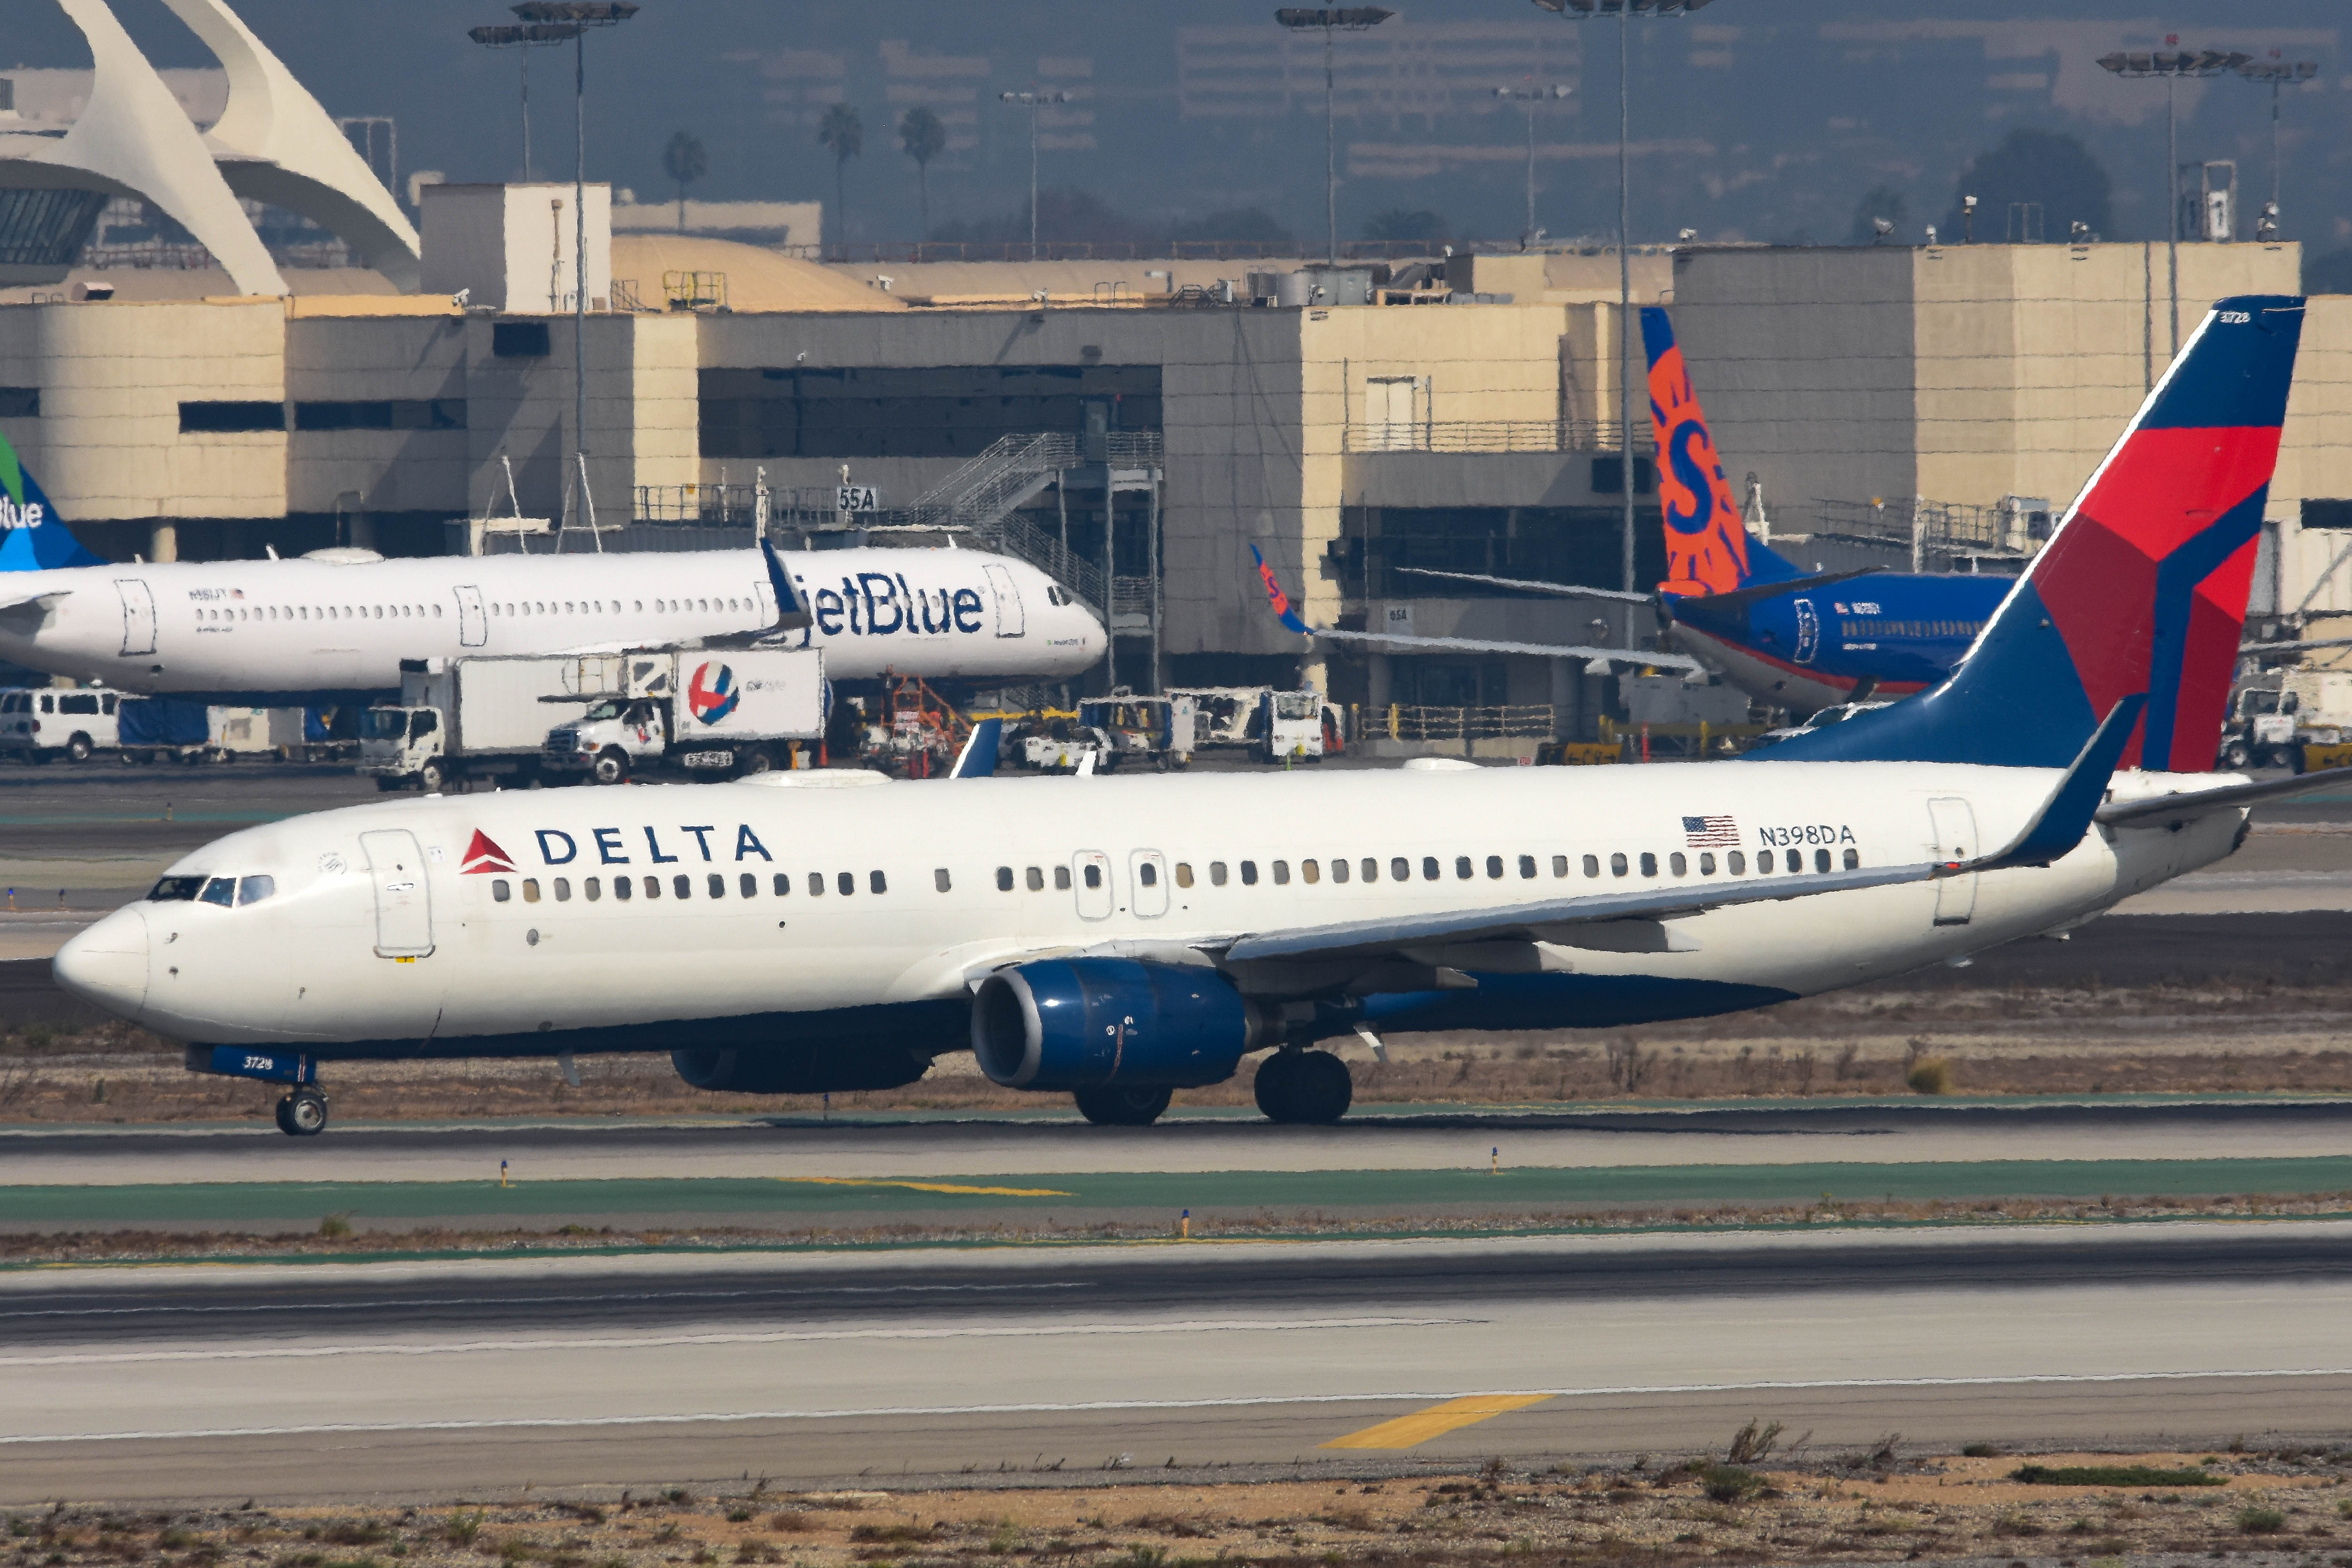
316 626
913 909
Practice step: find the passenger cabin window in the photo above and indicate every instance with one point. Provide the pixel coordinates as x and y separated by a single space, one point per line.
1494 866
1282 873
1370 869
1184 874
1735 863
1061 879
1677 865
1308 871
1217 873
1338 869
1146 873
499 890
1706 865
939 879
1094 876
1034 879
653 887
1853 859
622 888
1428 868
1764 861
531 889
748 885
1004 878
1527 868
815 883
783 883
563 890
1560 866
877 883
718 881
683 886
1617 867
594 888
1400 869
1462 866
1821 860
1649 864
846 882
1249 873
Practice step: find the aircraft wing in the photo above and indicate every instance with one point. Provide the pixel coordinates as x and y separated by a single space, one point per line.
2063 817
1529 585
2167 809
10 601
1544 651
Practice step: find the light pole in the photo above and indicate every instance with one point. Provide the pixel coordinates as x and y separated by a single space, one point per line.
2173 65
578 16
1331 19
524 36
1623 10
2278 73
1527 97
1033 102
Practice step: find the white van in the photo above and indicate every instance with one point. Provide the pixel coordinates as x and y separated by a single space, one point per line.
40 723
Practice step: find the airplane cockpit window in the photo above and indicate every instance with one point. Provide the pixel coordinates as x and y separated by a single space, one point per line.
175 889
253 889
221 890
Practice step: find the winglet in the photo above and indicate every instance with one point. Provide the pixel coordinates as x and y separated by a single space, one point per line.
791 616
978 758
1282 606
2067 815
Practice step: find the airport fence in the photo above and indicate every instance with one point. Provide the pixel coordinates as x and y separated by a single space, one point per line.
1496 436
1403 722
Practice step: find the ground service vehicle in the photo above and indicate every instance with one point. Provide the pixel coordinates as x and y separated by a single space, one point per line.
1154 729
38 724
711 713
2273 716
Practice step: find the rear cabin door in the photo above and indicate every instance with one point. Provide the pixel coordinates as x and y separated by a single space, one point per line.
1091 868
1956 839
1147 872
473 622
138 614
404 900
1010 622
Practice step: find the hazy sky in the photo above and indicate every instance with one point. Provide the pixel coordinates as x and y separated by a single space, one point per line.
1755 119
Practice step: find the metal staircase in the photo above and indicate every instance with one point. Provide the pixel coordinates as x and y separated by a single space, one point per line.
983 499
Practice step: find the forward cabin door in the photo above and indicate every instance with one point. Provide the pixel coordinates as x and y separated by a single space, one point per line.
404 900
1956 839
1009 619
138 614
473 621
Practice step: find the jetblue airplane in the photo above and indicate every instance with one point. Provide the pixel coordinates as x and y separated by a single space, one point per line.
1119 938
254 630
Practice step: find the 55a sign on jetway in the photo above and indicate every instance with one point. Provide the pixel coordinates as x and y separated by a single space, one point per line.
857 498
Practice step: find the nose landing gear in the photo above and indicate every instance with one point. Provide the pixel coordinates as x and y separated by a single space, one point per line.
302 1114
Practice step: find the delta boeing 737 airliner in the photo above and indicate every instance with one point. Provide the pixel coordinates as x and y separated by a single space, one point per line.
254 629
1119 938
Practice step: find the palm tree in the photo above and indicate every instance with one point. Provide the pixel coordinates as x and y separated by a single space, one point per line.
844 133
685 161
924 138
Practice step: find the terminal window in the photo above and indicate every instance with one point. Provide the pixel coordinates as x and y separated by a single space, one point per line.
2316 514
519 340
394 414
20 402
947 411
224 417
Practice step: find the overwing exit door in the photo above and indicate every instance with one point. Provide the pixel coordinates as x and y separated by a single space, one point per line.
137 615
1955 826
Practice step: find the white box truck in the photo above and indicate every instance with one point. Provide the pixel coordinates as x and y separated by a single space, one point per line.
716 714
467 719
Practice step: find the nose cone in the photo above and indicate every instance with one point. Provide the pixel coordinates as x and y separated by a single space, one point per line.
106 965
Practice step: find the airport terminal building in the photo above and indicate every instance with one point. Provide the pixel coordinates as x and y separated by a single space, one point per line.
1140 429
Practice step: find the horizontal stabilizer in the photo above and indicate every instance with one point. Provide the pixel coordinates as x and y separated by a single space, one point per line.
10 601
1696 605
2166 809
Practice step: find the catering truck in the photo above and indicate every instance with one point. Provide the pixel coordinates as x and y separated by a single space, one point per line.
715 715
555 718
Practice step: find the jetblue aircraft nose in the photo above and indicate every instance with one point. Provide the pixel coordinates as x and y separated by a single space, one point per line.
106 965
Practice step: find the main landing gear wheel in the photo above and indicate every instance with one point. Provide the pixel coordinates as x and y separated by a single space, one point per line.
1122 1105
302 1114
1310 1087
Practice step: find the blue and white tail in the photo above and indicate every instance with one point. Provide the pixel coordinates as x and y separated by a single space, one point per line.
32 538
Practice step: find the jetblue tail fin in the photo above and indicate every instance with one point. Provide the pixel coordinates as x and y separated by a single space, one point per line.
2141 589
1707 547
32 538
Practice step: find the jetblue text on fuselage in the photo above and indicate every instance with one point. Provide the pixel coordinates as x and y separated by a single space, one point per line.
954 610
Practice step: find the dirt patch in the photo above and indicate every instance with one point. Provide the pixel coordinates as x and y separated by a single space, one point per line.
1873 1506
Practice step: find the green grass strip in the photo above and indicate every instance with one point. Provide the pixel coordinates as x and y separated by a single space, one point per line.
656 1199
2111 1476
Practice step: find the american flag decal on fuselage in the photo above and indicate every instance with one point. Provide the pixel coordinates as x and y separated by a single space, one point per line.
1711 832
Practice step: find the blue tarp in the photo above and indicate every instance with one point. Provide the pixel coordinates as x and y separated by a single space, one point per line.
162 722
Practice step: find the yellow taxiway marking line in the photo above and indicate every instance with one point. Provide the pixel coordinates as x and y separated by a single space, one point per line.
1408 1431
931 1188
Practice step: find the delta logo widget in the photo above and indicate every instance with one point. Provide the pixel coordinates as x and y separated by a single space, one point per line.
484 857
711 698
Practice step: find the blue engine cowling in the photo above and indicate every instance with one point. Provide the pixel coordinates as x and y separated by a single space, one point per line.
1080 1023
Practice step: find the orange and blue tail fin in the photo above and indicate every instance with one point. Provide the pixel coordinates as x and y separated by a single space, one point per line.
1708 550
32 538
2142 588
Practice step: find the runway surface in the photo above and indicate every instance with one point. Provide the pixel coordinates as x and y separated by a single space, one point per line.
462 1379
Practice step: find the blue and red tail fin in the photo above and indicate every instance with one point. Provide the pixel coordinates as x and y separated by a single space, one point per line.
1707 547
1283 609
2141 589
32 538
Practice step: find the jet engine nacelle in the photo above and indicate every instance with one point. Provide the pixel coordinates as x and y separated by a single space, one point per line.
789 1070
1081 1023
